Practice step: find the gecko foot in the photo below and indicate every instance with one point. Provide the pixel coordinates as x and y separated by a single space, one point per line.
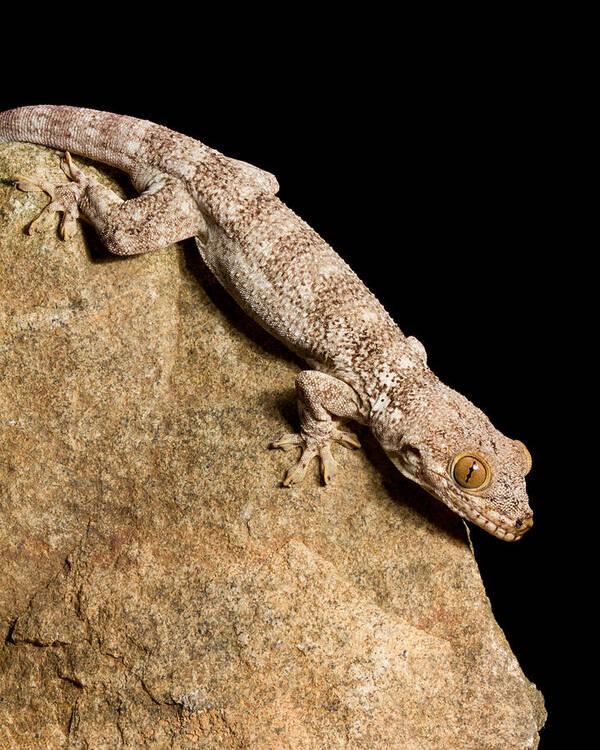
64 198
312 448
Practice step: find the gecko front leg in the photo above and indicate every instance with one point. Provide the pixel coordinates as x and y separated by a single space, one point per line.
324 402
164 213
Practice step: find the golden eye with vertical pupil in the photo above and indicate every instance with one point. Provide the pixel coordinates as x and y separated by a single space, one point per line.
470 472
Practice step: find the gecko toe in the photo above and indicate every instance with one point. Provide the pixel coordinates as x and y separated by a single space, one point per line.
346 438
72 171
68 224
329 467
44 219
287 442
31 184
297 473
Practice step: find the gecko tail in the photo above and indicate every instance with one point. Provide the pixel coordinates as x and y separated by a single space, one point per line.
85 132
127 143
102 136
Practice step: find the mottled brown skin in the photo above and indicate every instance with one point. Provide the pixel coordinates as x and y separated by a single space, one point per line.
288 279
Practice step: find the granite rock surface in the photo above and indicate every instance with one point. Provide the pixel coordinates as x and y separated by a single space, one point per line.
158 588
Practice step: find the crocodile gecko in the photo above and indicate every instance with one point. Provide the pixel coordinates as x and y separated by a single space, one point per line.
284 275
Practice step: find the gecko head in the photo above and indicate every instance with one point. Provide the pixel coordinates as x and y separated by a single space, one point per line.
454 452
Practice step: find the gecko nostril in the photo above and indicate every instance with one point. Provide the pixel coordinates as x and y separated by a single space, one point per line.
524 524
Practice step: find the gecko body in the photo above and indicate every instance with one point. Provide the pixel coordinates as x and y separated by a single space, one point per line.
284 275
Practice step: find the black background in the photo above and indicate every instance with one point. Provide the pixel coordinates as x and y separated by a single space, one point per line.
438 172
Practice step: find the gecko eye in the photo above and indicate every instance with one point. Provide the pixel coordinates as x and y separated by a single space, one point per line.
470 472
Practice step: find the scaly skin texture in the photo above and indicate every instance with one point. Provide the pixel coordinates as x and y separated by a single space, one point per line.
289 280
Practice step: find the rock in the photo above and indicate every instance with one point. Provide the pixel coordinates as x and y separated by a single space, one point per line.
159 588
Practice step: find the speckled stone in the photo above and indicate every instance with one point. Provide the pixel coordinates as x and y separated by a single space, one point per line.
159 589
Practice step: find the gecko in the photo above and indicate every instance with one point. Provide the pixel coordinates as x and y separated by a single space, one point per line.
361 367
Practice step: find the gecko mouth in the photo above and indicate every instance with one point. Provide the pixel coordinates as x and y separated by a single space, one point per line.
495 523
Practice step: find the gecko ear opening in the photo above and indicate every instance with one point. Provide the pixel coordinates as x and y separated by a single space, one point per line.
528 459
412 456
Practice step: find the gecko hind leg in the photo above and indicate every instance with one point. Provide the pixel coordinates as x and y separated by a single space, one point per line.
323 401
64 198
163 213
